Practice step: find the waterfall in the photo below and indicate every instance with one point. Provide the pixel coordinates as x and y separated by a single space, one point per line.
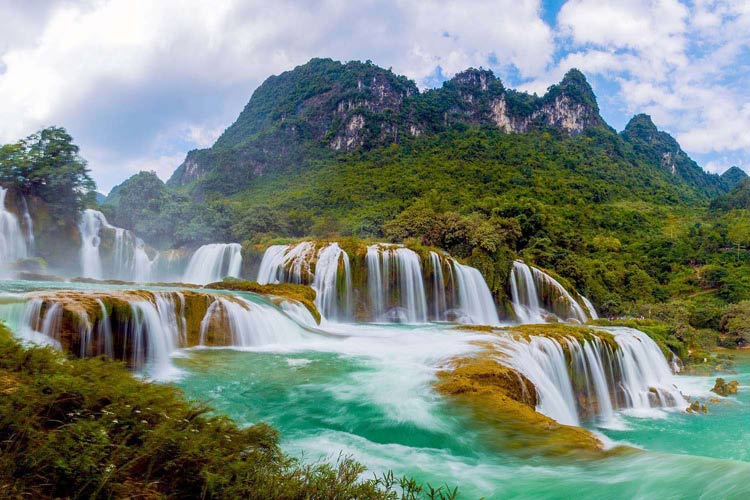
30 321
330 276
105 343
589 307
377 288
395 289
536 295
475 303
154 334
213 262
298 313
287 264
439 304
578 379
92 222
395 284
128 259
12 239
333 296
29 227
248 324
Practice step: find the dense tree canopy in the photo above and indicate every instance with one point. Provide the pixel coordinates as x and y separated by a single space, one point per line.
47 165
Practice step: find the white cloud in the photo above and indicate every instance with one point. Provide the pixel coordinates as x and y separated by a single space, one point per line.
682 62
139 82
93 65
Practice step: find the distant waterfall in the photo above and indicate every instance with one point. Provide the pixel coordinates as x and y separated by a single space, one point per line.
12 239
588 379
287 264
328 271
211 263
92 222
127 260
536 295
29 228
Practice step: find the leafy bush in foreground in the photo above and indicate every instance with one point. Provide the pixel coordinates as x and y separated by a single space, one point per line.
88 429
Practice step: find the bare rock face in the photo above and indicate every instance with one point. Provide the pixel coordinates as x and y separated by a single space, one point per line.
356 106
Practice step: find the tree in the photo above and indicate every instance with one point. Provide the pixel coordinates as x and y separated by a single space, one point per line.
739 229
47 165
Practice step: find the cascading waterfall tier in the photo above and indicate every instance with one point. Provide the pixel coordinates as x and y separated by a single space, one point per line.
536 295
126 259
326 268
391 283
13 244
145 328
590 376
211 263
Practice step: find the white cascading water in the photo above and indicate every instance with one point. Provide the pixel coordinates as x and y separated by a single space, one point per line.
12 239
330 276
213 262
439 302
298 313
589 307
536 295
636 375
157 327
105 344
154 335
29 228
475 303
287 264
129 260
333 299
92 222
395 284
249 324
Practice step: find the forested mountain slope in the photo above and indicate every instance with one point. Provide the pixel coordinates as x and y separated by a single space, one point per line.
334 150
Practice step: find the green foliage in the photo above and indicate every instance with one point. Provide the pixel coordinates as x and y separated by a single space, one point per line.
735 323
47 165
88 429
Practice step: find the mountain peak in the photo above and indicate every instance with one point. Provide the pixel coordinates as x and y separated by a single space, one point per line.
359 105
733 176
642 125
476 78
660 148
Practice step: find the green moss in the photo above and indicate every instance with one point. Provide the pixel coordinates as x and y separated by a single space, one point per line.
504 400
300 293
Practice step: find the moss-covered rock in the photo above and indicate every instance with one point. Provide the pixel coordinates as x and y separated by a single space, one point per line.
724 388
505 400
305 295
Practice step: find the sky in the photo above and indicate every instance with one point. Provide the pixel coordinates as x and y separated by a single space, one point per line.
138 83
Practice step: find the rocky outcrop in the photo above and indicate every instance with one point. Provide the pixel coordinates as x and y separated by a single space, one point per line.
356 106
505 399
659 148
724 388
